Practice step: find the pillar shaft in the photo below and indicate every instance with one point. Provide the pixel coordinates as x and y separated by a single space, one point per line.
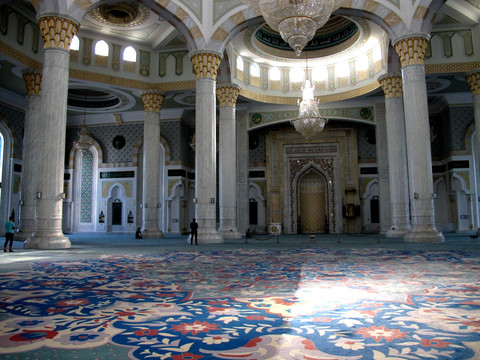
28 224
397 155
411 51
152 197
227 97
473 79
382 166
242 172
205 66
57 33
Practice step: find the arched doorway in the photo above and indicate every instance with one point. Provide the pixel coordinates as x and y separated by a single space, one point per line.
312 202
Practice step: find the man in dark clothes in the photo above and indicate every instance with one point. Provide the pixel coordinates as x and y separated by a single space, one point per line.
193 232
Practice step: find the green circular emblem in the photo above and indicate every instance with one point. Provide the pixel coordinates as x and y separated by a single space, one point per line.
256 118
365 113
118 142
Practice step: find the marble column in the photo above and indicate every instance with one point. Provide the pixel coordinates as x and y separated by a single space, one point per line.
397 155
227 97
243 220
473 79
382 166
205 65
33 81
411 51
151 196
57 33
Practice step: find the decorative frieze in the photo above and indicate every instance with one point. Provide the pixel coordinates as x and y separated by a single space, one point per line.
411 50
87 51
116 56
392 85
227 95
206 65
473 79
144 63
33 82
57 32
152 101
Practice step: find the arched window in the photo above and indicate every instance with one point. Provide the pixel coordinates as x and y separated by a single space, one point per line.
342 69
254 70
130 54
319 74
239 63
362 63
255 75
75 44
101 48
274 74
377 54
297 74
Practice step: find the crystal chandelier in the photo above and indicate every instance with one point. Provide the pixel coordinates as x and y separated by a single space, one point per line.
295 20
84 140
309 121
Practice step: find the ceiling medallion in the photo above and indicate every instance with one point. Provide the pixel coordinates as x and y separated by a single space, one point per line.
121 14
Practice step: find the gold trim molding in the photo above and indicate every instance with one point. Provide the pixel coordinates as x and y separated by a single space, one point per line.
275 99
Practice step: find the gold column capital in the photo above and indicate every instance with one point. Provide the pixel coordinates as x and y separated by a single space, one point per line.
473 79
411 50
392 85
57 32
227 95
152 100
206 64
33 82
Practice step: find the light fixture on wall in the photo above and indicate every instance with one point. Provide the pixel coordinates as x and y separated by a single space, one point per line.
192 142
84 140
295 20
39 195
309 122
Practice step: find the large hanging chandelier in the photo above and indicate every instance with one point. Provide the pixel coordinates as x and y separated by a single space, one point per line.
84 140
295 20
309 121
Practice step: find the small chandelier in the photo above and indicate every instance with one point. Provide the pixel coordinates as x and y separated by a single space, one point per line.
84 140
309 121
295 20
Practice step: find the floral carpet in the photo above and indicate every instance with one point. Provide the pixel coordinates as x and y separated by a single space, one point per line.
247 304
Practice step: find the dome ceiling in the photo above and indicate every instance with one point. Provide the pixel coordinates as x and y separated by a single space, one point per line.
336 31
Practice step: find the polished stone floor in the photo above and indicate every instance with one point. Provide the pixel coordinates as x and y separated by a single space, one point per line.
94 245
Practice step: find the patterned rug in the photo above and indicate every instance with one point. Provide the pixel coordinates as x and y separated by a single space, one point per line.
246 304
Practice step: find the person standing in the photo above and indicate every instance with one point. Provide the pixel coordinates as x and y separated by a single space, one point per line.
9 228
194 231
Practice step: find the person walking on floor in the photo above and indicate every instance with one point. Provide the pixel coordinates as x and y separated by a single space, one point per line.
194 231
9 227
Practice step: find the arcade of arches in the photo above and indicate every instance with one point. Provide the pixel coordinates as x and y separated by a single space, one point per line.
118 115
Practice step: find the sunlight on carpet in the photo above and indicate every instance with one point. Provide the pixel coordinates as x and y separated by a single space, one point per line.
246 304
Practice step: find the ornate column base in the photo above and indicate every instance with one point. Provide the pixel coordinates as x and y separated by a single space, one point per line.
47 242
231 233
155 234
206 236
424 235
